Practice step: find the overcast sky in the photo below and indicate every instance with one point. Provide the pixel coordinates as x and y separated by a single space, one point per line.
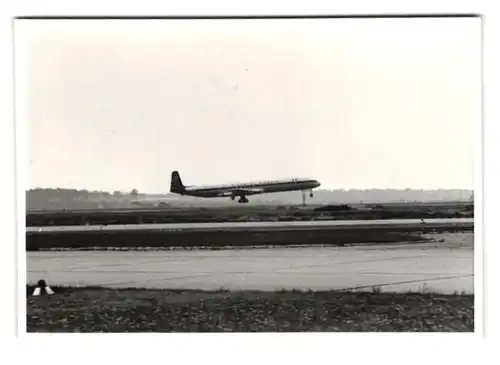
356 103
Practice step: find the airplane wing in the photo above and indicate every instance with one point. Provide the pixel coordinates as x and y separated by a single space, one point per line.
238 192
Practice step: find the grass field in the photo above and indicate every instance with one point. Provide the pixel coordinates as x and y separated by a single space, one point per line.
144 310
249 213
220 239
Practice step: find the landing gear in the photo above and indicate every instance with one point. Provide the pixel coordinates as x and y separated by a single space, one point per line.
304 196
243 200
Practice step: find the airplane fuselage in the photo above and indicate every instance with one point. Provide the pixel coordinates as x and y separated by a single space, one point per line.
241 190
259 188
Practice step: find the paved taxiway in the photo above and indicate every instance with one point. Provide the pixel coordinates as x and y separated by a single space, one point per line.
445 266
246 226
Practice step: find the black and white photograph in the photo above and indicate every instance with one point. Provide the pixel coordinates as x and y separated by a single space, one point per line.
249 174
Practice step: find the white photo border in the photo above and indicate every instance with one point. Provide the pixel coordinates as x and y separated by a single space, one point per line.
300 348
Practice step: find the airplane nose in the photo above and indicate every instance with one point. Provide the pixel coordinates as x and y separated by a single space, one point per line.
316 183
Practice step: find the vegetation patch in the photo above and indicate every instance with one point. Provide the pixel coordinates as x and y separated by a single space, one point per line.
97 309
213 239
248 213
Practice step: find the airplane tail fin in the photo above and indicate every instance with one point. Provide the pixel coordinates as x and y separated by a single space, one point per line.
176 185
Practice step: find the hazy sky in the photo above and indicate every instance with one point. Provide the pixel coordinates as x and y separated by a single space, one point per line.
354 103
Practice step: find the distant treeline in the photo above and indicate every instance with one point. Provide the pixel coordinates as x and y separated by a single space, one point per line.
352 196
57 199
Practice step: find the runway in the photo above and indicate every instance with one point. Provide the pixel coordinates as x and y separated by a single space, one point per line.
444 266
256 226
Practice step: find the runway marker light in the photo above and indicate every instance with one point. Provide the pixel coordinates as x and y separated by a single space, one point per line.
42 286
